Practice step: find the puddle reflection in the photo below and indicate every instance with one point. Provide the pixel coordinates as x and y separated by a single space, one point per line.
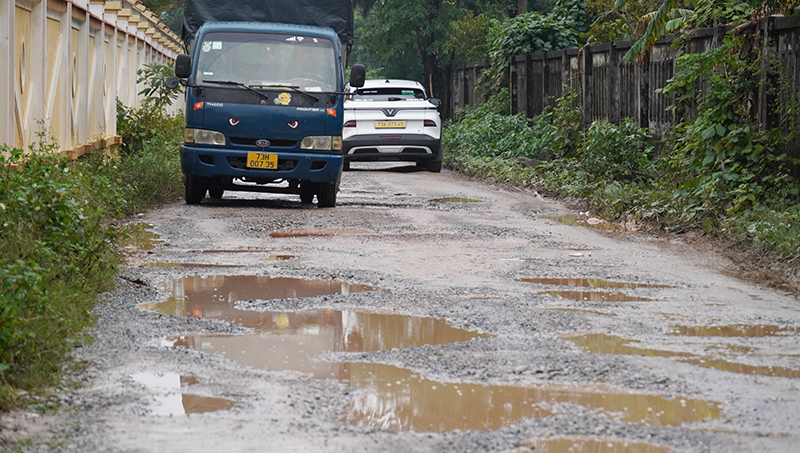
611 344
735 330
592 445
310 232
454 200
396 398
392 397
588 282
140 237
595 296
168 399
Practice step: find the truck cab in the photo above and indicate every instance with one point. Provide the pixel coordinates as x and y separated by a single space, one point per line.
264 108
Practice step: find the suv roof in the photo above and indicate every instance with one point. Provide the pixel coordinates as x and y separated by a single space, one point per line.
393 83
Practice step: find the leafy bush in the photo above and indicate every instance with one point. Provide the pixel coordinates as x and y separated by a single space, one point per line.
55 257
56 236
617 152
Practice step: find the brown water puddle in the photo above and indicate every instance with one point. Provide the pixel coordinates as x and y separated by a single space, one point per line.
610 344
600 343
213 296
454 200
588 282
391 397
396 398
579 220
595 296
591 445
310 232
735 330
168 399
760 370
140 237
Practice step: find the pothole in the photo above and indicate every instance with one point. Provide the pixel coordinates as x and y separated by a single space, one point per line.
169 399
595 296
140 236
397 398
735 330
611 344
592 445
588 282
311 232
393 397
455 200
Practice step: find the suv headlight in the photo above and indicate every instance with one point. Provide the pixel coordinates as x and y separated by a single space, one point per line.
204 137
322 142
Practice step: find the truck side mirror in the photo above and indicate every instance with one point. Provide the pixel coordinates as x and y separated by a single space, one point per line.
358 73
171 83
183 66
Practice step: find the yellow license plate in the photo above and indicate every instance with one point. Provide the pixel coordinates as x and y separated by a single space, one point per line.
390 124
262 160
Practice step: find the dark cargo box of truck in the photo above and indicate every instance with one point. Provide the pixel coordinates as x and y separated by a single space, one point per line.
336 14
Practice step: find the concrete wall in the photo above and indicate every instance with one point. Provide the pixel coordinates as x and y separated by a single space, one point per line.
63 64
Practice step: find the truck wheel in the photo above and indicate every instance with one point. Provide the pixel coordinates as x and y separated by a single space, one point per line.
195 189
326 194
215 192
435 167
306 193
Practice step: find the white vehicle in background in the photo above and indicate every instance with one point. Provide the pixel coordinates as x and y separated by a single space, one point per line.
392 120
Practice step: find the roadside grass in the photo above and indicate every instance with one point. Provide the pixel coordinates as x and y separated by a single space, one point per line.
616 172
58 240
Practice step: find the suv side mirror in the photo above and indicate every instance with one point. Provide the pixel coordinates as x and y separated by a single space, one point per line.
435 102
183 66
358 74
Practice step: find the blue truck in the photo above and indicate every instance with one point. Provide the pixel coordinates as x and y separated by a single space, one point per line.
264 96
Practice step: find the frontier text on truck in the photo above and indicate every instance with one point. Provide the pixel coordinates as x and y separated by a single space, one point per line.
264 97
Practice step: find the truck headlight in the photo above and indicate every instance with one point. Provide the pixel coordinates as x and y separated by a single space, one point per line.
322 142
204 137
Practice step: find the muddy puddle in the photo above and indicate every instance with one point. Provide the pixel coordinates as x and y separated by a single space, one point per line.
313 232
735 330
392 397
591 222
591 445
397 398
612 344
140 236
588 282
186 265
454 200
168 398
595 296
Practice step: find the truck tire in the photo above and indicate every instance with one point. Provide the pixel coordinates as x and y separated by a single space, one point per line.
195 189
326 194
306 193
435 167
215 192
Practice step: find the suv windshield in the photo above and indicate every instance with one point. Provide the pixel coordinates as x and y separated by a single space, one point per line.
388 94
267 60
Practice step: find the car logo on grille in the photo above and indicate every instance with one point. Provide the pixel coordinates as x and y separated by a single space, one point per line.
262 143
390 112
233 121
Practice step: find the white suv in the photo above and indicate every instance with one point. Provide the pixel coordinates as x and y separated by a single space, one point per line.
392 120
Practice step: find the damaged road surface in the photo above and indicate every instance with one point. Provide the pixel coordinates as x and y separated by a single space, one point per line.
426 313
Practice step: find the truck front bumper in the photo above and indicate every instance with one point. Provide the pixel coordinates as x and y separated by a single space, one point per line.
211 162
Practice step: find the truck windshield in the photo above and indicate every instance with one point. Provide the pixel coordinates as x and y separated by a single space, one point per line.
267 60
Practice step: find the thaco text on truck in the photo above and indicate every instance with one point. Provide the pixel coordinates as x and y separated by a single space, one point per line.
264 97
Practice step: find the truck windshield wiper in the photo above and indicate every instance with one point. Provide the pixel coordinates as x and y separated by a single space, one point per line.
238 84
295 89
